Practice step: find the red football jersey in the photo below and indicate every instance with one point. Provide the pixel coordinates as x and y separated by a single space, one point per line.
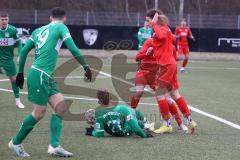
162 44
148 62
183 33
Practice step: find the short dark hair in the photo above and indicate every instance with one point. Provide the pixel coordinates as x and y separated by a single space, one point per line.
151 12
103 97
3 14
58 12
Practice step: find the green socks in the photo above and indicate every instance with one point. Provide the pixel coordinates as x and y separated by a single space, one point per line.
27 126
55 130
15 90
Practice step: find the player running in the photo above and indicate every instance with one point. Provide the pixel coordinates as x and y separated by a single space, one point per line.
166 78
182 33
8 39
116 120
146 74
42 88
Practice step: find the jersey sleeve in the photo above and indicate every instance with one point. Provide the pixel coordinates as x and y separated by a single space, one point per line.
142 53
15 34
161 34
190 32
98 129
64 32
23 54
132 120
139 35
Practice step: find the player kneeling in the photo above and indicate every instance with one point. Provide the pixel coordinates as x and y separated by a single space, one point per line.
116 120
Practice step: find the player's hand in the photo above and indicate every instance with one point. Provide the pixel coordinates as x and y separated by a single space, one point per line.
20 80
148 135
193 38
149 51
88 74
89 131
155 18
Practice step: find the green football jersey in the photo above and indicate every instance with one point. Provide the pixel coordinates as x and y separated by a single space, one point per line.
118 120
48 40
143 35
8 39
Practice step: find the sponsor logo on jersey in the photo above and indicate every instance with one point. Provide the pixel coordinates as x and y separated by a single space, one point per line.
90 36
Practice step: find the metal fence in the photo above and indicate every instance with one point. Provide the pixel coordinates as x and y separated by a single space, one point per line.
123 19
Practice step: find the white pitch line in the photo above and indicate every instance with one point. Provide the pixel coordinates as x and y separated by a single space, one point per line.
212 68
219 119
234 125
4 80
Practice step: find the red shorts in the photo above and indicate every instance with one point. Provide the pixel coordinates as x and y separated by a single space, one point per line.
183 50
167 77
144 77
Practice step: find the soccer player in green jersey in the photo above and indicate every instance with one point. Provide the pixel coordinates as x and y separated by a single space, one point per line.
8 40
42 88
116 120
144 33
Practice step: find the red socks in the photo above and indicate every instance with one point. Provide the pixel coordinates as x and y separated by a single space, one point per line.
182 104
134 102
174 112
185 61
164 109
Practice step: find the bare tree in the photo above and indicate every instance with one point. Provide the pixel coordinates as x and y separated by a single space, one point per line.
181 8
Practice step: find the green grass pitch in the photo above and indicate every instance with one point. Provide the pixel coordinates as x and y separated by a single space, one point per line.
212 86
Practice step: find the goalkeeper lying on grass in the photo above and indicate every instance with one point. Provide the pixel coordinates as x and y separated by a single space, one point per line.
116 120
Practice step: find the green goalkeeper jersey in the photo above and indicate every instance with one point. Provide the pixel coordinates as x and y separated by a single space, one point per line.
47 41
8 39
118 120
144 34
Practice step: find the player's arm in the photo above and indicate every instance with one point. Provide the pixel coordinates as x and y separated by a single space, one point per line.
135 126
161 34
190 34
98 129
75 51
132 121
22 60
23 54
139 36
177 33
18 42
144 51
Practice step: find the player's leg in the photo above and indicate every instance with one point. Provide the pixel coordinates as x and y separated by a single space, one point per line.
27 125
136 97
140 82
10 69
38 90
59 106
185 60
183 106
174 112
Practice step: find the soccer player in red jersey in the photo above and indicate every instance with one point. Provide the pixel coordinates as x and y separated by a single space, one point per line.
145 75
182 32
166 78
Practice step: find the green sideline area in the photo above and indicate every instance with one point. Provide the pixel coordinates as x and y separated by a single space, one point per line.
211 86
